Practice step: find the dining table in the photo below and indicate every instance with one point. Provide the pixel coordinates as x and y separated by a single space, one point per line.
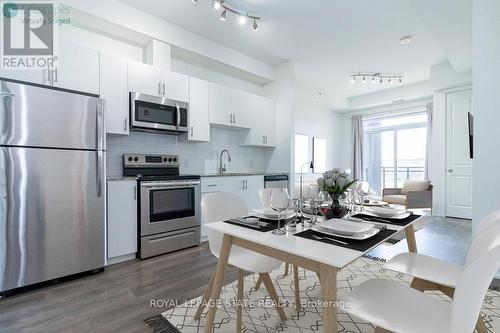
323 258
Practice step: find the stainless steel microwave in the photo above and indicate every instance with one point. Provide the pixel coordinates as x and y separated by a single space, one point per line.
158 114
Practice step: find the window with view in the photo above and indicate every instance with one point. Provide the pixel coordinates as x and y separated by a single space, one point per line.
394 149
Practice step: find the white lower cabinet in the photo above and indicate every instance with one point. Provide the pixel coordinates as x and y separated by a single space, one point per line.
122 220
247 187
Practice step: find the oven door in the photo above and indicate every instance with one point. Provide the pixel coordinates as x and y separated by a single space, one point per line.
157 113
169 205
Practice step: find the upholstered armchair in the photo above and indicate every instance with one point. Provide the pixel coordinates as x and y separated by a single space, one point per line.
413 194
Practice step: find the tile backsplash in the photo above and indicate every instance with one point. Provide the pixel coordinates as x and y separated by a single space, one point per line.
196 157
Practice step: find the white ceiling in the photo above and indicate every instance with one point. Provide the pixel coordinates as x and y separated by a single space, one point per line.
326 39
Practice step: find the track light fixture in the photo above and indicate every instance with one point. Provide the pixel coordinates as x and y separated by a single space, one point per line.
243 17
375 76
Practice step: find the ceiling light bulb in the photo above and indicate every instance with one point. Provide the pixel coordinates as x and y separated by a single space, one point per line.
255 26
194 2
373 79
216 4
381 80
353 79
242 19
223 15
364 79
400 80
390 81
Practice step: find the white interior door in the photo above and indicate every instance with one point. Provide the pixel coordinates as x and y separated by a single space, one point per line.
458 161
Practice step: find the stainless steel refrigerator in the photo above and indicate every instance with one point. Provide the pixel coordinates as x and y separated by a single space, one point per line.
52 184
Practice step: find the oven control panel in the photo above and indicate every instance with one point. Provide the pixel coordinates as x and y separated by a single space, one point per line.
150 161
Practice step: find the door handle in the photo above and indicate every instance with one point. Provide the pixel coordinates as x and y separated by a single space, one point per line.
99 172
178 120
450 170
159 88
99 126
164 89
135 192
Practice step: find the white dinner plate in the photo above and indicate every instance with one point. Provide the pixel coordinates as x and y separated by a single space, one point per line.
360 236
269 213
343 227
386 212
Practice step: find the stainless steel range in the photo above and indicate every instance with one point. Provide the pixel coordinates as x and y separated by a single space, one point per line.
169 216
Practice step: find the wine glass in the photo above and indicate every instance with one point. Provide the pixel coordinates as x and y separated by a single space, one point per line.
312 194
317 202
280 201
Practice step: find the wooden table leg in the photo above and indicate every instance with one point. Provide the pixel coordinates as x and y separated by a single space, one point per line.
258 283
328 276
206 297
296 286
239 304
268 283
410 238
218 281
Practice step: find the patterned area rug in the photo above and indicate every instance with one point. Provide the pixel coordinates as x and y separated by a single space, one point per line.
258 316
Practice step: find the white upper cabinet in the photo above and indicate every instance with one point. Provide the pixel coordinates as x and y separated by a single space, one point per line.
243 106
77 68
220 108
263 123
199 126
150 80
143 78
40 76
175 86
114 90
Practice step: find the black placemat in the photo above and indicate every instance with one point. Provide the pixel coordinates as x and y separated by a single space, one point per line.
358 245
399 222
263 226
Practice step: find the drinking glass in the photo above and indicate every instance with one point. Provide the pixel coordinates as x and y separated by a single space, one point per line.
312 194
317 202
280 201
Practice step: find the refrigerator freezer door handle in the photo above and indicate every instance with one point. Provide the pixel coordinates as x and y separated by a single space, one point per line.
99 131
99 172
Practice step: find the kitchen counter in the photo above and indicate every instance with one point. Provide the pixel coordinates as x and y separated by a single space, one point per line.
118 178
239 174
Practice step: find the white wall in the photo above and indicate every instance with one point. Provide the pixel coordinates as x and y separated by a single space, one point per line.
316 121
486 106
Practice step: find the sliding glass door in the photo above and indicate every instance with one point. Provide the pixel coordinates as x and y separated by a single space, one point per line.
394 150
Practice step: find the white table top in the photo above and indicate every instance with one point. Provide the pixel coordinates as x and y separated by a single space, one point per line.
329 254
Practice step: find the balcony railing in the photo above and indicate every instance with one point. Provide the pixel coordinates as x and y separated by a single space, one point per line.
388 178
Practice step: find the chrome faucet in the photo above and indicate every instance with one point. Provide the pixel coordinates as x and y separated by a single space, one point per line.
222 167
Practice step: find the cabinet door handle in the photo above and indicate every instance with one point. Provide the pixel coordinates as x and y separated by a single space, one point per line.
192 131
234 117
135 192
164 88
266 139
125 123
55 71
159 88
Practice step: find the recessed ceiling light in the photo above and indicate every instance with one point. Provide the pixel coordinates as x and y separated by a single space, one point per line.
405 39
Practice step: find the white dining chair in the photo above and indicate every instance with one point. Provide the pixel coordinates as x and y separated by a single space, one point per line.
394 307
433 274
220 206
